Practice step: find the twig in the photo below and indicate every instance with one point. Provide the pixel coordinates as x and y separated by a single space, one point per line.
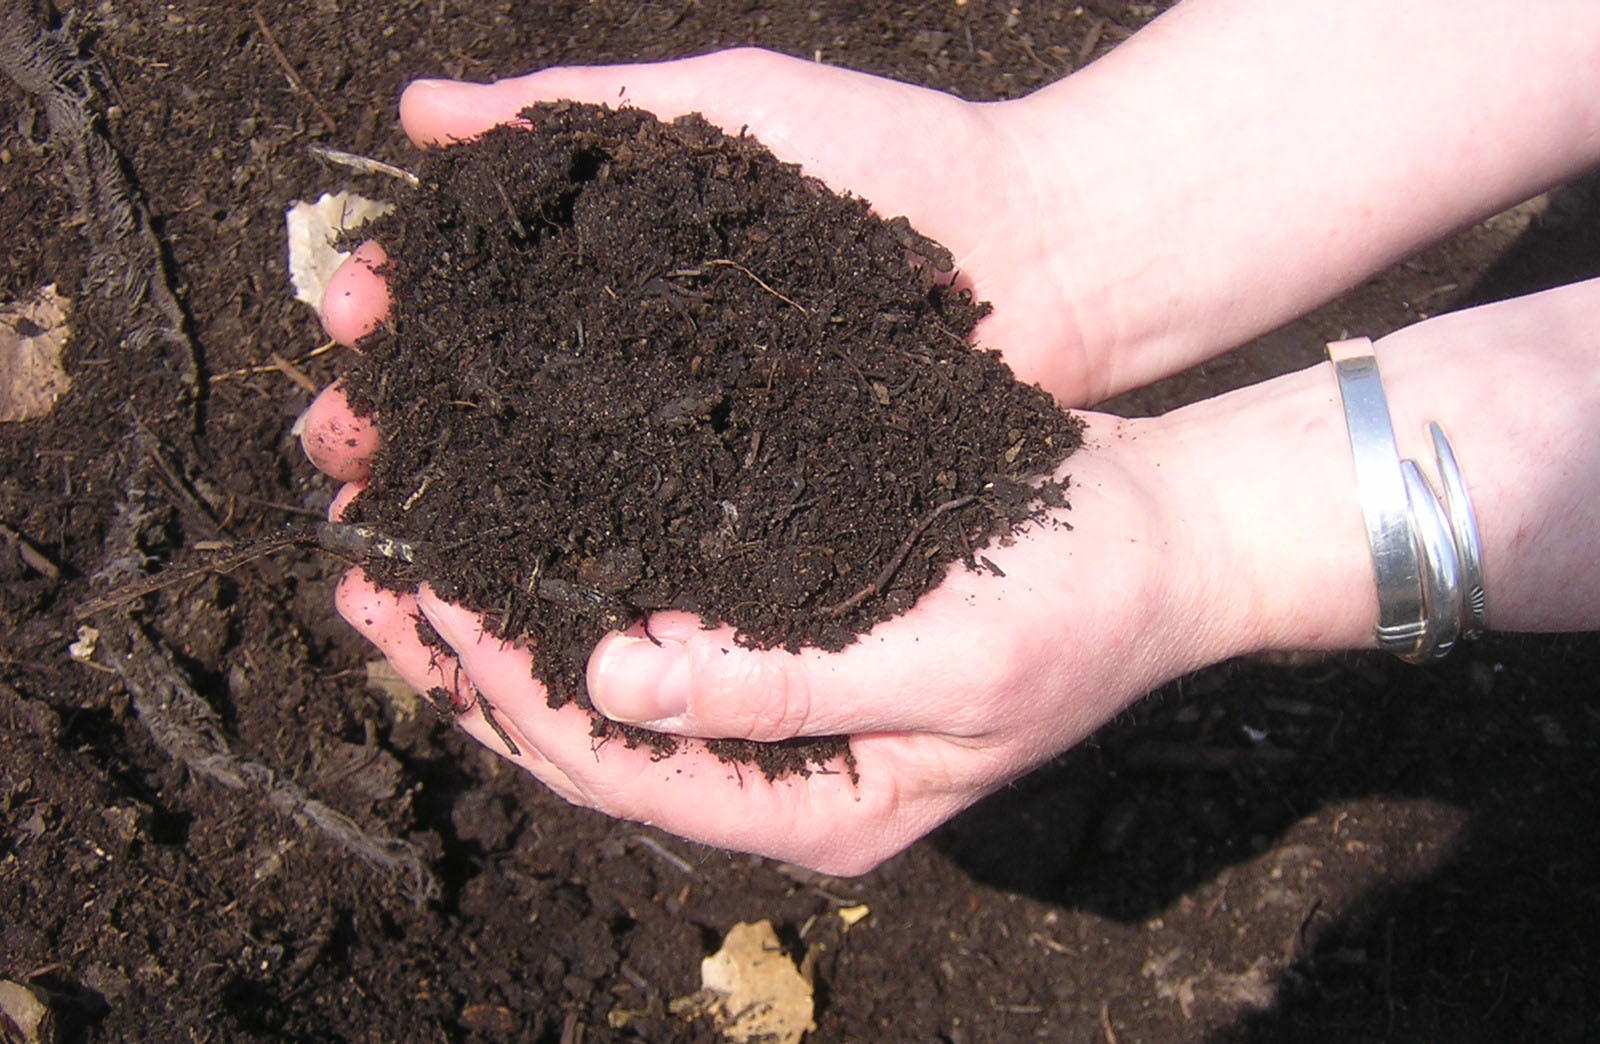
691 272
670 856
495 726
365 164
878 586
30 554
294 373
272 367
172 577
288 70
1105 1023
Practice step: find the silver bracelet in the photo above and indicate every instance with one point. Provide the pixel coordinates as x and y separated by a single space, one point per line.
1381 489
1426 555
1441 568
1464 527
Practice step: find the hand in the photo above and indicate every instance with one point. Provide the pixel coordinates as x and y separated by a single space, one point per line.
987 676
958 170
984 678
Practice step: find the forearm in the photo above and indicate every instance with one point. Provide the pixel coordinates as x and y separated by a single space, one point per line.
1239 162
1516 386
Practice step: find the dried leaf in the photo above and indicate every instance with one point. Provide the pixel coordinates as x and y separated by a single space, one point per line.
761 995
24 1014
32 334
383 678
313 228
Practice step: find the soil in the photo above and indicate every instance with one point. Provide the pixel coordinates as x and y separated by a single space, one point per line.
741 400
212 828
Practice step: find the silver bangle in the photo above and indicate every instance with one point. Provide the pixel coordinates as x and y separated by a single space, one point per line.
1441 568
1426 554
1381 490
1464 526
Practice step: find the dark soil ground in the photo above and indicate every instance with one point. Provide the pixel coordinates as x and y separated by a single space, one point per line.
212 829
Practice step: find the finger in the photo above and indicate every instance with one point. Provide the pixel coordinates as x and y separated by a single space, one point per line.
388 620
826 820
356 299
341 500
933 670
337 440
440 112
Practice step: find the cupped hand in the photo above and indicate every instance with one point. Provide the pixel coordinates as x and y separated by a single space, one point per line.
986 677
960 171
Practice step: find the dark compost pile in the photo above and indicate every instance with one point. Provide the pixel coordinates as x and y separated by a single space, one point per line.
636 365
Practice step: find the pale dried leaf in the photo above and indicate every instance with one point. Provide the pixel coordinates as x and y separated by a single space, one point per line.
383 678
761 994
32 334
24 1014
313 229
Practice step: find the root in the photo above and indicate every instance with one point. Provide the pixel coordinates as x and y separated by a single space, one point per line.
185 726
886 575
180 720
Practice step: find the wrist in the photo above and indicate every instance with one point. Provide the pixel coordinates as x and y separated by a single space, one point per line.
1265 487
1235 164
1263 480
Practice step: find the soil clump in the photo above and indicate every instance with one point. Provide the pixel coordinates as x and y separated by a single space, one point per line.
636 365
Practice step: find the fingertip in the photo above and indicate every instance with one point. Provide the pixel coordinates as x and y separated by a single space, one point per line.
443 112
337 440
357 296
341 500
418 103
371 611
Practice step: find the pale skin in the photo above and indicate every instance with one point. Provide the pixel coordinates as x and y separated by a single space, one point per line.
1228 168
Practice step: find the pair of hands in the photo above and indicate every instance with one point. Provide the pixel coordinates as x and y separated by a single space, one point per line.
986 676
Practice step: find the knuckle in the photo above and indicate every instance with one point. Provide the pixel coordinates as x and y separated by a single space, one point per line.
745 57
754 695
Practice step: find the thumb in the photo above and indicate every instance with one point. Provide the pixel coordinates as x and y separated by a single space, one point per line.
682 679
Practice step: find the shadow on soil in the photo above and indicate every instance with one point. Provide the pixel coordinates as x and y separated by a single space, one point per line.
1216 769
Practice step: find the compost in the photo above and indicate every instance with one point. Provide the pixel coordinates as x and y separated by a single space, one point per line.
635 365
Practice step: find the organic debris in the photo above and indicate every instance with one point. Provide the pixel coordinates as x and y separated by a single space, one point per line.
752 989
32 334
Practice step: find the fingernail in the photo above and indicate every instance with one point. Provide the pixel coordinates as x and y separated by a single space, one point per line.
636 681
